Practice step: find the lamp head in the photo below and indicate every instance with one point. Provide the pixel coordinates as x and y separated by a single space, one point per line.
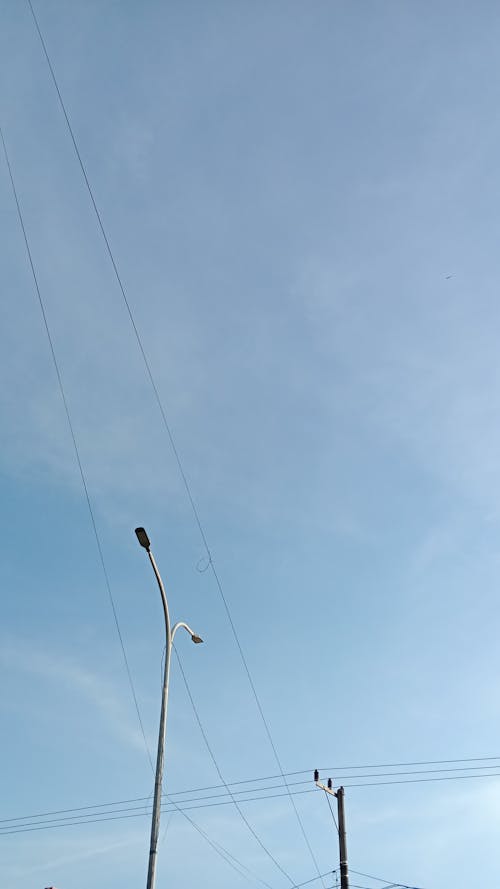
196 639
143 538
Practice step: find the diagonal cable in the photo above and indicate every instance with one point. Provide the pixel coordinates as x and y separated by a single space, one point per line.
168 430
327 795
231 859
388 883
216 846
76 448
229 791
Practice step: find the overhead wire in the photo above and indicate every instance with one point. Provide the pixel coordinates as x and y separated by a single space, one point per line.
395 765
362 886
231 859
169 432
422 780
381 765
262 791
140 810
341 772
227 856
219 772
313 879
75 447
144 800
22 822
175 451
327 795
83 478
382 880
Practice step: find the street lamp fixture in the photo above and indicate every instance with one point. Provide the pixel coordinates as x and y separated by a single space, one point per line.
143 538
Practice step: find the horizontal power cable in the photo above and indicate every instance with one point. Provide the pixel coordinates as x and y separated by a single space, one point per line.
140 810
343 768
145 800
263 791
9 828
423 780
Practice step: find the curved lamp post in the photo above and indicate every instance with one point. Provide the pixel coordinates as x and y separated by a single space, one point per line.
170 633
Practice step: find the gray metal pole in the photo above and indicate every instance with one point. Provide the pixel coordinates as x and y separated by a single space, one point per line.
160 756
155 820
344 875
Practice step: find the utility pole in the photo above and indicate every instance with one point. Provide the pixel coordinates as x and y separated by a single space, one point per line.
339 794
344 876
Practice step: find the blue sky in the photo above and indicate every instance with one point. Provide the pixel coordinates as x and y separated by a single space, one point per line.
287 188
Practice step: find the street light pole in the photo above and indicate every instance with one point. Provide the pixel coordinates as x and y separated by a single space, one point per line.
160 756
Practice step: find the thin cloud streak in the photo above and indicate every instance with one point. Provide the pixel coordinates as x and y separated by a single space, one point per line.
71 677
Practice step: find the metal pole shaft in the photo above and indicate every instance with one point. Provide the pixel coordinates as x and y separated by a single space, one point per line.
344 875
155 820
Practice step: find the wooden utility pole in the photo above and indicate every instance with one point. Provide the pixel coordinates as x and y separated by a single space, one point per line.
339 794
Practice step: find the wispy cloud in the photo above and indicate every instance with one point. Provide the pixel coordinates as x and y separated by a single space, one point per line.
81 850
72 677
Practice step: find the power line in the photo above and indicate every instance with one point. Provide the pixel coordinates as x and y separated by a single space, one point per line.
75 446
218 770
394 765
145 800
184 479
168 429
93 817
341 772
386 885
219 849
231 859
381 880
313 879
227 856
13 825
216 846
263 791
359 886
423 780
327 796
169 432
413 772
187 490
